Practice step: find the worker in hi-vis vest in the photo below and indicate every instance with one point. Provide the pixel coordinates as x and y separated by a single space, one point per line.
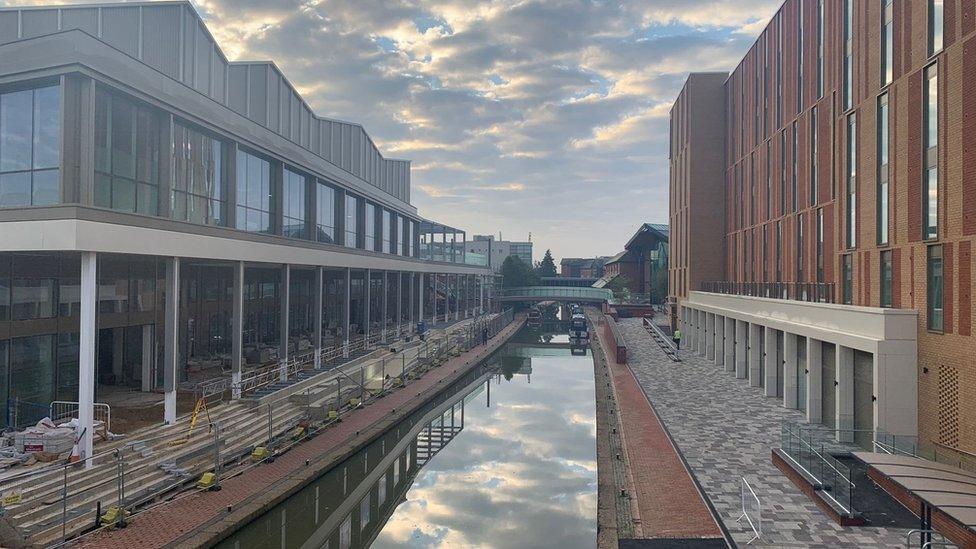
677 340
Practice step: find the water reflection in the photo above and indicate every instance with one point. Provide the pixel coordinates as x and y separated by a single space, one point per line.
511 464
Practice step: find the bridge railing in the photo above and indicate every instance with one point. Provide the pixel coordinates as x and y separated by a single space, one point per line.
555 292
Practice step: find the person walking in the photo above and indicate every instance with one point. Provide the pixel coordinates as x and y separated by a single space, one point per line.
676 336
484 336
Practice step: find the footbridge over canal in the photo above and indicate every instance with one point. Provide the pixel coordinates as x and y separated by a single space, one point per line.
536 294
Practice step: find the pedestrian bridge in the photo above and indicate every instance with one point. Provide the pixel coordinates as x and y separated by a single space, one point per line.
554 293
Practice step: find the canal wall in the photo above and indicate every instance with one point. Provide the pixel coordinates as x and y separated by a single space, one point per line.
203 519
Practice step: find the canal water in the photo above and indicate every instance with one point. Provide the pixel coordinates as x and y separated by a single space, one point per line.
504 458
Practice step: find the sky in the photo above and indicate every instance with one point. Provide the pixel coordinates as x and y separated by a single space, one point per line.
541 117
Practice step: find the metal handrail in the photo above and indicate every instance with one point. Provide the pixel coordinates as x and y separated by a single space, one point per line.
818 292
60 409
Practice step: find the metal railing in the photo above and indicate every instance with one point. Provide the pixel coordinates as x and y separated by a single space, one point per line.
554 293
910 446
810 447
818 292
63 409
751 510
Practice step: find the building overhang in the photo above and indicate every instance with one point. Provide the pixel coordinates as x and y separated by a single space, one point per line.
78 228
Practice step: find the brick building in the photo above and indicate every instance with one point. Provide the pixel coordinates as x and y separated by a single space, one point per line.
844 218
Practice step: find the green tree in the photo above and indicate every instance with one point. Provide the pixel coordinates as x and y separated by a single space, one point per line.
516 273
547 267
620 286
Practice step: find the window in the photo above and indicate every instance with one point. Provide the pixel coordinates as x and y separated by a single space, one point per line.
882 188
794 188
935 26
352 221
411 230
386 232
930 184
325 201
769 179
935 288
30 147
820 48
779 251
254 197
799 248
364 512
370 226
765 254
779 71
814 150
886 278
851 181
848 54
887 41
126 155
381 491
293 205
32 298
401 222
820 245
198 190
799 56
782 173
848 279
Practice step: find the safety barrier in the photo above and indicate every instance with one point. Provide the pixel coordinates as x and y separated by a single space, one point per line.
63 409
751 510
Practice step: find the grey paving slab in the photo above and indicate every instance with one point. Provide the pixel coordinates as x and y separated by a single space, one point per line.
726 431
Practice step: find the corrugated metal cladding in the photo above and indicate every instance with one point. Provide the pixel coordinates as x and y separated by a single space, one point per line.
172 39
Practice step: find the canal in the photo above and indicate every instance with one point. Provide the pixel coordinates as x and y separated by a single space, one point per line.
506 457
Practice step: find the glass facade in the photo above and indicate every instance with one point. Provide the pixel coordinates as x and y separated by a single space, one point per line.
882 178
369 234
127 147
386 232
851 181
848 54
352 221
936 286
930 182
814 152
30 147
293 205
325 205
936 14
198 190
254 193
887 41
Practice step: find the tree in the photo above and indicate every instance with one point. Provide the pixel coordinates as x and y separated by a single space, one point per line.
547 267
516 274
620 286
659 286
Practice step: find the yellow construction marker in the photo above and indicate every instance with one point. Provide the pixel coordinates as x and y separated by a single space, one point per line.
207 481
259 454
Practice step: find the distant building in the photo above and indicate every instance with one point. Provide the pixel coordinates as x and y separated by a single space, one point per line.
580 267
645 254
497 250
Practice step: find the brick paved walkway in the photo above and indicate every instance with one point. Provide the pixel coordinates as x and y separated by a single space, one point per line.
193 518
726 430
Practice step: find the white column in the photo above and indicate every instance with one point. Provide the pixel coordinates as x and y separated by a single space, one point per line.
317 315
719 340
237 329
729 360
790 375
755 355
710 336
88 333
171 339
285 305
771 362
815 381
348 307
845 393
741 368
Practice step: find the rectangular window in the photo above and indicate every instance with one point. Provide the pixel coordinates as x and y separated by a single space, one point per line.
814 150
325 200
387 247
769 179
886 278
799 56
765 254
782 173
936 284
779 71
364 512
936 8
254 194
848 279
882 189
820 48
401 223
887 41
126 154
293 205
352 221
820 245
848 54
198 189
794 184
799 248
779 251
930 184
30 147
851 181
369 236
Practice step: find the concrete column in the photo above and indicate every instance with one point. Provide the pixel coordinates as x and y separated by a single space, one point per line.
771 362
88 338
319 298
719 340
285 304
729 361
755 355
345 324
384 303
741 368
367 289
710 336
790 379
171 340
815 381
845 393
237 329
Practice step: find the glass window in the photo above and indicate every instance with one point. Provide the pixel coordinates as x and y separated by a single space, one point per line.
30 147
364 512
370 226
408 235
254 194
198 190
886 278
851 181
352 221
820 48
848 279
387 246
293 205
930 184
814 149
31 367
769 179
401 223
325 199
882 189
782 174
32 298
820 245
126 154
848 54
381 490
794 191
936 8
935 288
799 248
887 41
